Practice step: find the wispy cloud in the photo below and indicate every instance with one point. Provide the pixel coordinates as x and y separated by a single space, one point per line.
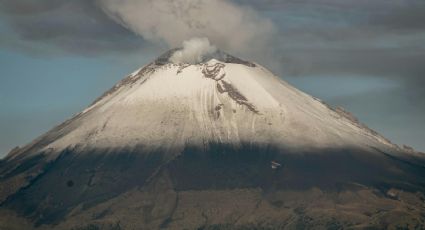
229 26
63 27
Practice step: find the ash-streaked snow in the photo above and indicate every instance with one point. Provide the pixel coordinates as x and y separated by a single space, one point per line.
171 104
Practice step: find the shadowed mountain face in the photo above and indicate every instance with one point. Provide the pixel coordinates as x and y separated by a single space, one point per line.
78 183
149 155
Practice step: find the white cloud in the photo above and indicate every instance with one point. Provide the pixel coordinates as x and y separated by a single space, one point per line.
193 51
231 27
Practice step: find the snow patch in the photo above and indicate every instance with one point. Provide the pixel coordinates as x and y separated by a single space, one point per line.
212 102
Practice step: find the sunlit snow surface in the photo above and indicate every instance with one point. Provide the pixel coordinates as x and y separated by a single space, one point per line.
212 102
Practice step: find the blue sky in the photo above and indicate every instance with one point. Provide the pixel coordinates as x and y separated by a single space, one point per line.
349 53
37 93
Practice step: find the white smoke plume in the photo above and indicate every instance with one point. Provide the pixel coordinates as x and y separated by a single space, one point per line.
193 51
229 26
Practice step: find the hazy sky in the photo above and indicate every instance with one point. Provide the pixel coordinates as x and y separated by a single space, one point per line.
57 56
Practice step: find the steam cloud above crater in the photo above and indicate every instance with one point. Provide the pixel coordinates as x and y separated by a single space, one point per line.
193 51
231 27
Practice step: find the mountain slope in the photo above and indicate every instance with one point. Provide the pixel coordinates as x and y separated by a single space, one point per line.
192 145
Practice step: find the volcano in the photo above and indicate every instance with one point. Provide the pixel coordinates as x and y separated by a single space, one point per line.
221 144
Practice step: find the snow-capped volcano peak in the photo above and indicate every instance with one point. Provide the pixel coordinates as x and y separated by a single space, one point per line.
222 99
220 125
